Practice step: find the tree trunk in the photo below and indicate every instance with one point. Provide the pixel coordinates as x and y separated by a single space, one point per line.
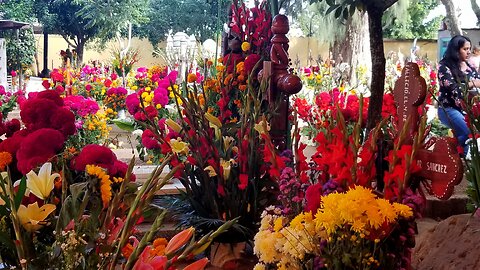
354 47
452 19
80 48
378 66
476 10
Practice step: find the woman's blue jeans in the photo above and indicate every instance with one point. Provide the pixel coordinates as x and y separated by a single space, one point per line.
455 120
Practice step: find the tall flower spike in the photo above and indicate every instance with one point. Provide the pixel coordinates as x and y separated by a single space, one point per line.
42 184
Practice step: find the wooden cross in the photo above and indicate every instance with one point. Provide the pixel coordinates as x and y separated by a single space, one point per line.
441 165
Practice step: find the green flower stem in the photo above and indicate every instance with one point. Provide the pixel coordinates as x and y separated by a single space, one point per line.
147 238
138 205
19 245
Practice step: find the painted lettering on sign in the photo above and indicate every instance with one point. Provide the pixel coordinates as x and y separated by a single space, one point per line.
433 167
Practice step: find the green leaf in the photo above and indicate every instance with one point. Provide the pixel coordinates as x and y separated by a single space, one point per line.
338 12
345 13
330 9
352 9
22 187
331 2
124 124
6 240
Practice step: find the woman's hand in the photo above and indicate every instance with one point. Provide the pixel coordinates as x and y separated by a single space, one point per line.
474 83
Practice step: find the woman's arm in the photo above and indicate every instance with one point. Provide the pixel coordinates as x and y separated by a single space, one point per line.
447 81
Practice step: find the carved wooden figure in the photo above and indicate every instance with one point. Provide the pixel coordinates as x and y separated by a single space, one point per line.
282 82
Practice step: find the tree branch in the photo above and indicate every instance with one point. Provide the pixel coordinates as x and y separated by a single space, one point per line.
452 23
65 37
476 10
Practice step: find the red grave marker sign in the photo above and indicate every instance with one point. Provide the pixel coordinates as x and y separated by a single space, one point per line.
442 165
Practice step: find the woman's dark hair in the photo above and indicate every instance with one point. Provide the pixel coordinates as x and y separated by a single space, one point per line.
451 58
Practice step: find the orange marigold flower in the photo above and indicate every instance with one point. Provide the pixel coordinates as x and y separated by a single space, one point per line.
209 63
220 60
160 242
242 87
191 77
127 250
5 159
241 78
228 79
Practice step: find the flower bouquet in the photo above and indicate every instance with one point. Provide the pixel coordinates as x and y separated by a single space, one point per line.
375 227
115 102
79 209
8 102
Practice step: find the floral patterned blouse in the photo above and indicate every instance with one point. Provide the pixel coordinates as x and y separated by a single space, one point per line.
450 89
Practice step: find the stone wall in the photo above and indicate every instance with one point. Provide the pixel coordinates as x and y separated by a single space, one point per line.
301 48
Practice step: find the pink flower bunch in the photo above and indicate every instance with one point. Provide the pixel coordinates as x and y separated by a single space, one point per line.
117 91
142 73
81 106
161 97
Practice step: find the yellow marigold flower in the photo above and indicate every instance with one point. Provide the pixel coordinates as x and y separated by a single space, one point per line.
191 77
245 46
33 217
5 160
240 67
148 89
278 224
134 88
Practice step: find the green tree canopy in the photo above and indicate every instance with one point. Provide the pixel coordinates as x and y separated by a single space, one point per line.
411 22
21 51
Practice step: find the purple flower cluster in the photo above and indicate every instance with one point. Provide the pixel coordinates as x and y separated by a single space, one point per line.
415 201
331 186
292 191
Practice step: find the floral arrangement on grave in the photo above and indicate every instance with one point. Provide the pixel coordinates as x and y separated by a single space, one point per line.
216 141
335 211
90 121
114 102
123 62
8 102
216 132
92 83
79 210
